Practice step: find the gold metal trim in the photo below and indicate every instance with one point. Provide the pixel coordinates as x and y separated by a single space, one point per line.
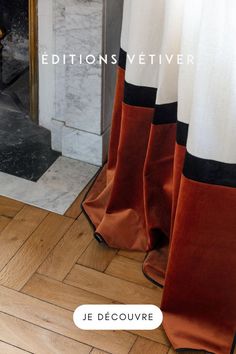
33 60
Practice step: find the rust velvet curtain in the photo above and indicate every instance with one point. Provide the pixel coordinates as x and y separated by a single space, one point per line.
169 187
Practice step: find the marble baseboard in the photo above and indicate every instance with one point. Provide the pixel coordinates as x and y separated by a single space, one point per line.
56 190
56 134
84 146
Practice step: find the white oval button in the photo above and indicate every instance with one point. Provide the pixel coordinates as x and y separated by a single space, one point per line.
118 317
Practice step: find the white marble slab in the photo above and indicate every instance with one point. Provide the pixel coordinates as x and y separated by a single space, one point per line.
68 174
84 28
84 146
56 134
56 190
79 95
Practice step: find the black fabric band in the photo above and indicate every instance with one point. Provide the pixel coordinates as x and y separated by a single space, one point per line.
182 133
209 171
139 95
165 113
122 59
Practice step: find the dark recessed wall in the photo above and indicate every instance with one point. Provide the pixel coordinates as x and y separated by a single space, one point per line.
14 17
15 54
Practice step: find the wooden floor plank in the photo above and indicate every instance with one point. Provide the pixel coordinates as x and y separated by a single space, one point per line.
128 269
4 221
69 298
60 261
34 251
113 288
60 321
60 294
98 351
10 349
145 346
35 339
39 320
136 255
18 230
75 209
9 207
97 256
172 351
157 335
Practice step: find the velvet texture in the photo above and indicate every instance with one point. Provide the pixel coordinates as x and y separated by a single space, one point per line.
142 201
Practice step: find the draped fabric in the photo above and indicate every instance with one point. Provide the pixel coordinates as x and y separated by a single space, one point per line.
170 185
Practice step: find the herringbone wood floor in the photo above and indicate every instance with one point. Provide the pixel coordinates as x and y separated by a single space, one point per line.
50 264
